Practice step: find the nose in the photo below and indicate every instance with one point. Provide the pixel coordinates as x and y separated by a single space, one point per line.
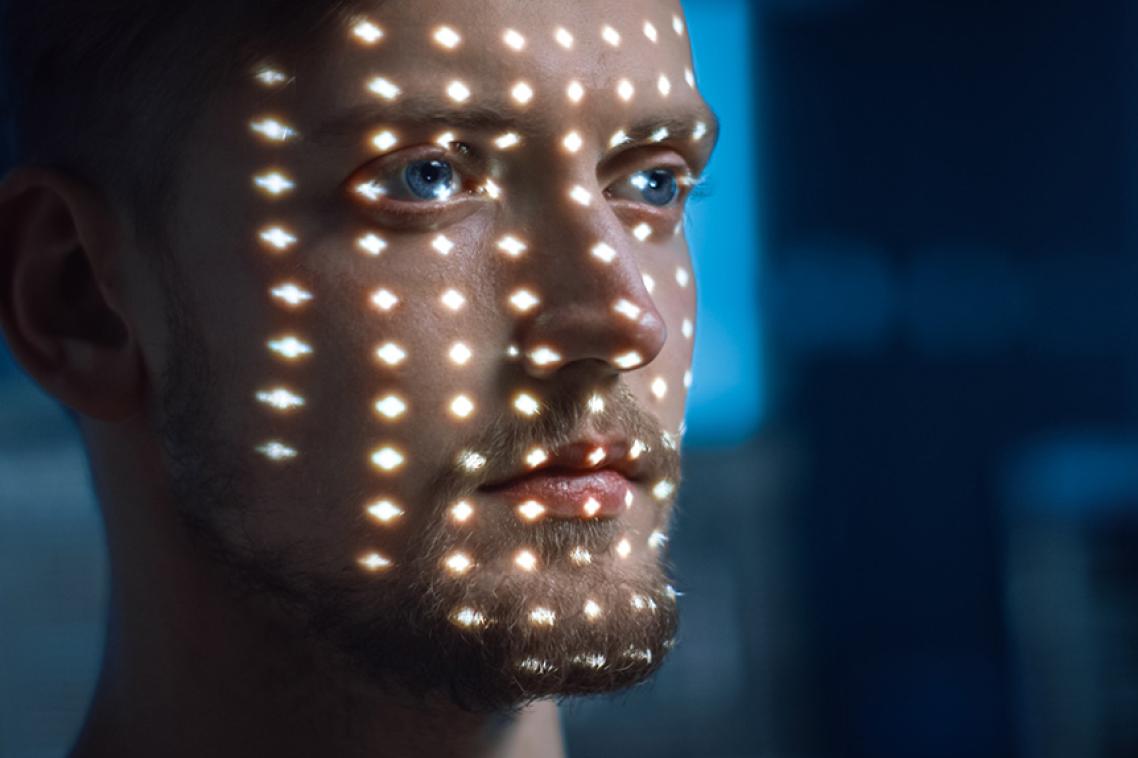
596 307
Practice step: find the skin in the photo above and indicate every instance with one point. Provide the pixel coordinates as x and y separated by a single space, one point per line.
224 559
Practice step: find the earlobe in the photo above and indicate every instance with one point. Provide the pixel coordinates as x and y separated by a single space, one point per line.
58 242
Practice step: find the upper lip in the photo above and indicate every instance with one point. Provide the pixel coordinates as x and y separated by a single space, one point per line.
573 459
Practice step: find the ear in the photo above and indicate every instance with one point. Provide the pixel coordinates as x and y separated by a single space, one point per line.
59 243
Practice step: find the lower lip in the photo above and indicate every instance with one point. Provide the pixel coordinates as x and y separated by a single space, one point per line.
565 496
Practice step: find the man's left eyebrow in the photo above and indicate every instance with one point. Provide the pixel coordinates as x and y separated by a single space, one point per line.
360 119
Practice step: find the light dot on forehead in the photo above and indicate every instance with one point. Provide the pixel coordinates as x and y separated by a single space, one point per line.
524 301
273 129
385 140
391 407
564 37
367 32
514 39
277 451
610 35
507 140
625 90
375 562
453 300
522 93
447 37
385 300
384 511
575 91
280 398
387 459
460 354
291 294
391 354
385 88
274 182
290 348
664 85
458 91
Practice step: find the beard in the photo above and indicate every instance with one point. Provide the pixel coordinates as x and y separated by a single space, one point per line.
494 640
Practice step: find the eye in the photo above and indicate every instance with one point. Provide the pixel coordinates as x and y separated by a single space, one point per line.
430 179
658 187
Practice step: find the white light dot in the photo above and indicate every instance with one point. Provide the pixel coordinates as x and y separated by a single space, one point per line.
642 232
274 182
619 138
564 37
649 283
687 328
660 134
372 244
469 618
442 245
385 140
508 140
640 602
581 195
610 35
543 616
527 404
291 294
531 510
511 246
513 351
278 238
460 354
277 451
604 252
524 301
536 666
492 189
581 556
522 93
461 512
596 457
280 398
631 359
678 24
575 91
391 354
536 457
367 32
526 560
375 562
514 39
471 461
628 498
592 610
668 439
384 87
657 540
624 548
384 511
682 276
629 310
462 406
687 379
384 300
625 90
573 142
664 85
370 190
270 77
458 91
290 347
638 447
659 388
453 300
273 130
663 489
544 356
391 407
387 459
458 563
699 132
447 37
591 507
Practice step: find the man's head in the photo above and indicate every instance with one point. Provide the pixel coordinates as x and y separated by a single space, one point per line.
405 301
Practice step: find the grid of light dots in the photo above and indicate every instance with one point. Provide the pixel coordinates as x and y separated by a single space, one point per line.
275 182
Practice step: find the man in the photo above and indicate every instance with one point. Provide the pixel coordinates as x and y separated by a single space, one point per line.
377 320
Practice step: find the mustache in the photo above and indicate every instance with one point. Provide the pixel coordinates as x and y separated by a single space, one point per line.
565 418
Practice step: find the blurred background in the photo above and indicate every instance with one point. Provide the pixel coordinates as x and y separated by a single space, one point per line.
910 522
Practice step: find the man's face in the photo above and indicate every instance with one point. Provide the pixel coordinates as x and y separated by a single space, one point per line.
432 325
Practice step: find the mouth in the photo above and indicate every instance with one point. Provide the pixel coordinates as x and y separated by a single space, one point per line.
588 479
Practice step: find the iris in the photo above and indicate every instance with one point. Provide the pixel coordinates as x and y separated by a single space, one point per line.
430 179
658 186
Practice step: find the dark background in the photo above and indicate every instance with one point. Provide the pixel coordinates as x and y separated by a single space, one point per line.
909 526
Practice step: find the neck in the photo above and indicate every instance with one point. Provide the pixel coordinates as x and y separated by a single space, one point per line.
189 669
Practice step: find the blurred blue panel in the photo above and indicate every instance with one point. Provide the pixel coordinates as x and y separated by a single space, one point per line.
727 395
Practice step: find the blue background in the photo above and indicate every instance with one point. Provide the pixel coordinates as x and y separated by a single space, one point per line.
909 520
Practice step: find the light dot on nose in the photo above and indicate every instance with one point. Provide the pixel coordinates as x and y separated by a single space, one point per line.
687 328
649 283
689 77
372 244
458 563
610 35
385 140
660 388
274 182
461 512
462 407
564 37
447 37
678 24
453 300
629 310
387 459
273 130
526 560
391 354
664 84
527 404
291 294
687 379
604 252
384 511
575 91
699 132
511 246
442 245
375 562
650 31
367 31
631 359
572 142
384 87
531 510
625 90
544 356
391 407
507 140
492 189
458 91
581 196
642 232
522 93
682 276
514 39
460 354
524 301
384 300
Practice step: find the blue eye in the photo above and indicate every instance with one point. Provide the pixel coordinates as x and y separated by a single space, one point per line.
658 186
430 179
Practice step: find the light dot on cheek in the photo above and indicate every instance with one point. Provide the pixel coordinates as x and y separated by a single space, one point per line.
375 562
564 37
462 407
278 238
575 91
385 88
625 90
660 388
610 35
514 39
367 32
447 37
384 300
507 140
